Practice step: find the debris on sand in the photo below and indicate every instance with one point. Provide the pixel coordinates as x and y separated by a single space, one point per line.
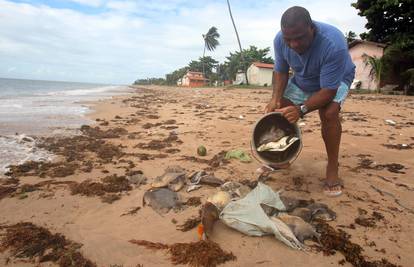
332 240
26 240
43 169
217 161
98 133
369 164
131 211
201 253
189 224
161 200
398 146
6 191
110 184
160 144
193 201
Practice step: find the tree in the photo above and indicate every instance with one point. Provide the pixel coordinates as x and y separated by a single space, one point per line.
172 78
377 68
238 39
391 22
238 60
350 37
205 64
210 42
388 20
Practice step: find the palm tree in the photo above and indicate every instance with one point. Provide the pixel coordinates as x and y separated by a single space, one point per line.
377 68
210 42
238 39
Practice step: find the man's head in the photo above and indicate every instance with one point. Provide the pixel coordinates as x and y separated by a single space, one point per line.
297 29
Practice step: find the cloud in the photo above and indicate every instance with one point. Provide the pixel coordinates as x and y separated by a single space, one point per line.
92 3
125 40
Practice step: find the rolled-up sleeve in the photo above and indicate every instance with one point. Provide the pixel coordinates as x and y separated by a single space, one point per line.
281 64
332 69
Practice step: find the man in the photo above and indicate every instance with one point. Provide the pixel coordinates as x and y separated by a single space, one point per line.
323 70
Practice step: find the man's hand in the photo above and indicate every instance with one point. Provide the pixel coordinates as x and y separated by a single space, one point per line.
291 113
273 104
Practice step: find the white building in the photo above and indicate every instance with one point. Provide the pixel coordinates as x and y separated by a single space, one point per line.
260 74
358 49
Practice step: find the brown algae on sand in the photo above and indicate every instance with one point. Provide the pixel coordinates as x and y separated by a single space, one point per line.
332 240
197 254
26 240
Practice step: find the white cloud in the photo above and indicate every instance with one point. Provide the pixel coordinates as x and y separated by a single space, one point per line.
93 3
126 40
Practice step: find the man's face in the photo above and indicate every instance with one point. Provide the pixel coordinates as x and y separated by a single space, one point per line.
298 37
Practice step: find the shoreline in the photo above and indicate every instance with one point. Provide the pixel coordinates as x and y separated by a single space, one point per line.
211 117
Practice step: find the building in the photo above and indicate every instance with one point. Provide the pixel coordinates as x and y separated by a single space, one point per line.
260 74
193 79
358 49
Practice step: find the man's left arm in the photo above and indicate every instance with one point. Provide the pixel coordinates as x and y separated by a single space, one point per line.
332 72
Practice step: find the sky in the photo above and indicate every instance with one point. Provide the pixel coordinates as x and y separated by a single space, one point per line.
119 41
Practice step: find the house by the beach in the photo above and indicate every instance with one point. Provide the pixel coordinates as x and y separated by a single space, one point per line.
358 49
260 74
193 79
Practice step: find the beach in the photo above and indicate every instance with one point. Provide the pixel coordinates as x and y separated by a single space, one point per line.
156 127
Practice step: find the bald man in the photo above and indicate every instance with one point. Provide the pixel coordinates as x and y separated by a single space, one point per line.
323 70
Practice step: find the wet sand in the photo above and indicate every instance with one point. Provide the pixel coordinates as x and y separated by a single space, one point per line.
157 127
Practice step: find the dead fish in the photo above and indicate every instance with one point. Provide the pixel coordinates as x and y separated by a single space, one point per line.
166 178
209 215
301 229
270 211
161 200
236 190
220 199
321 211
289 202
193 187
293 203
202 177
304 213
273 135
178 183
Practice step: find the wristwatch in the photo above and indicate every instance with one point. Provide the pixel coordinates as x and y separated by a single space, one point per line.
303 109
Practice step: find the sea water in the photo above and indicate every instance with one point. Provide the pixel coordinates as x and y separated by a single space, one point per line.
43 108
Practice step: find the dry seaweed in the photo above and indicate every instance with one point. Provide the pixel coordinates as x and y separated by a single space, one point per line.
193 201
201 253
6 191
110 184
26 240
189 224
131 211
332 240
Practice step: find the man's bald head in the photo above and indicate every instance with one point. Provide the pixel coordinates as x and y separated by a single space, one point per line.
295 16
297 29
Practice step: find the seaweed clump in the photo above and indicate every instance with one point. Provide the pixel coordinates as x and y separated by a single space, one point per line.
106 190
332 240
26 240
202 253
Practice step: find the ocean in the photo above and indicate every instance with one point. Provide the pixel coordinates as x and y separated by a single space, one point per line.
34 108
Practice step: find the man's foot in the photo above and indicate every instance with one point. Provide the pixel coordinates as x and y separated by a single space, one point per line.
333 188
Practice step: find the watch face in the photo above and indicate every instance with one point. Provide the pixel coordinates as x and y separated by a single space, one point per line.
304 109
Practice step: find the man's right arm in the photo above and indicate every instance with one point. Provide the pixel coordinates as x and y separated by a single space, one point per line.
279 81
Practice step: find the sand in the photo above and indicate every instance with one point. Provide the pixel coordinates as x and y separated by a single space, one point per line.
222 119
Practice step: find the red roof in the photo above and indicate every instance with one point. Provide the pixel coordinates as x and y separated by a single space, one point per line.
194 75
263 65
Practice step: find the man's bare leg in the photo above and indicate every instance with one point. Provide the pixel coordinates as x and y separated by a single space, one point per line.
331 134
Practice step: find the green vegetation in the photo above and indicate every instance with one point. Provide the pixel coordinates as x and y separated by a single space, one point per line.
391 22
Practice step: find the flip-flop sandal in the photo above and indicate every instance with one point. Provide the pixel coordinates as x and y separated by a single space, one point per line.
328 188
